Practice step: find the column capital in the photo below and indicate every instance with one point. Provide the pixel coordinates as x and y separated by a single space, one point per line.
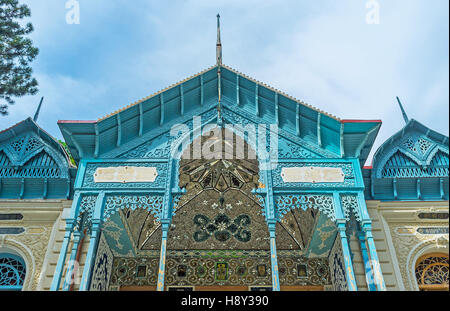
367 226
341 224
77 235
70 224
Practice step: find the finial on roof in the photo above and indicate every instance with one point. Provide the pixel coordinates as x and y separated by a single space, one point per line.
405 117
219 44
36 115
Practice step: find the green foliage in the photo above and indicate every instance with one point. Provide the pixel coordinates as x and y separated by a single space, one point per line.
68 152
16 54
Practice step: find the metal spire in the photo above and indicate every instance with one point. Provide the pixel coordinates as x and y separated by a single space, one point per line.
219 74
36 115
219 44
405 117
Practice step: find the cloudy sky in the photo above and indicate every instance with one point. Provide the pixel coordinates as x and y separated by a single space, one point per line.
323 52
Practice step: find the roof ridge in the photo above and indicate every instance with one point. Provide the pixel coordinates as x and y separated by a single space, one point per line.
156 93
282 93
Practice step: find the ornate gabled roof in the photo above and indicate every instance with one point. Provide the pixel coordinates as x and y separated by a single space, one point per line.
412 164
33 164
344 138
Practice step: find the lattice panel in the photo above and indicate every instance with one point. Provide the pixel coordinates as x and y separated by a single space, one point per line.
40 166
417 145
151 203
87 206
324 203
12 271
433 270
401 166
350 205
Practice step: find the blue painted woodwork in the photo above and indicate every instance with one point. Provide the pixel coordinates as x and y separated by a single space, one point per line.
33 165
93 241
376 268
411 165
142 134
201 90
12 272
69 279
350 275
367 263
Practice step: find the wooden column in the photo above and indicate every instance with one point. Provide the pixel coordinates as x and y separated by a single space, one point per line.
93 242
62 258
378 275
162 257
367 264
349 273
70 268
273 257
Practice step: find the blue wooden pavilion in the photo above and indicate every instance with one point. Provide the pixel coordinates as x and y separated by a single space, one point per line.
146 207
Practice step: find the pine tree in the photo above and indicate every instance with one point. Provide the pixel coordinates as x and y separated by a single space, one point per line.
16 54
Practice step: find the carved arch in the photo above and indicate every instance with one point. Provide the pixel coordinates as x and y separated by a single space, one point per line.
439 244
17 248
432 271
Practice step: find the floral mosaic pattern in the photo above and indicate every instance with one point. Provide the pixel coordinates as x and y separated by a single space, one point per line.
337 268
222 228
205 223
139 271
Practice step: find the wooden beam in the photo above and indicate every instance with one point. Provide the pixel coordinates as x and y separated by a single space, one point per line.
419 191
341 140
277 116
182 99
141 120
394 188
22 188
161 100
297 119
68 189
238 90
119 130
97 141
361 145
319 130
201 91
257 99
80 151
44 193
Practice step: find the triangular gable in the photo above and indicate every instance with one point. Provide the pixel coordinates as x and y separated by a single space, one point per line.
413 146
240 94
26 140
33 164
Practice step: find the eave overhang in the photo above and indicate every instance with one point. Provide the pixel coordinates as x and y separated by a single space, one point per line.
344 138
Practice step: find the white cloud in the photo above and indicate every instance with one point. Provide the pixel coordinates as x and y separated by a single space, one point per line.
321 52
